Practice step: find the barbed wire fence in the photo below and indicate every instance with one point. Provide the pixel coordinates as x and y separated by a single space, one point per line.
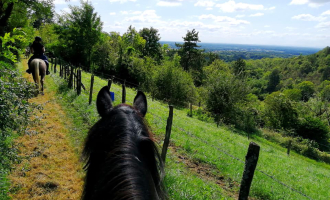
72 74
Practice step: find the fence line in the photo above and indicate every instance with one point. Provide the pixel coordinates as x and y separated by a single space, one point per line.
236 158
183 130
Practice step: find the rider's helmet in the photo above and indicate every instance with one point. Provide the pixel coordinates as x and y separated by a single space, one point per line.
38 39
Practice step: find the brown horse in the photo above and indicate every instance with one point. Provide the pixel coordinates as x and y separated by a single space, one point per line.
38 68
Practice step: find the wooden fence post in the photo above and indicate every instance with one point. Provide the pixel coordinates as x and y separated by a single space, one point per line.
70 85
190 106
74 78
55 65
65 67
123 99
289 147
168 133
251 160
91 90
51 66
79 82
110 82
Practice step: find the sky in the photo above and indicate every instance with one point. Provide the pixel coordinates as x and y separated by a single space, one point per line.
302 23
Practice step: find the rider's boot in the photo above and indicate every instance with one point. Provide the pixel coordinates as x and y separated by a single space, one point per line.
28 70
47 71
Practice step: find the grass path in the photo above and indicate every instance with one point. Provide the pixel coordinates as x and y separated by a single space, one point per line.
49 169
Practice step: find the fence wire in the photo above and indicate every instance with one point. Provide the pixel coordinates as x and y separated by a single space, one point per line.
204 141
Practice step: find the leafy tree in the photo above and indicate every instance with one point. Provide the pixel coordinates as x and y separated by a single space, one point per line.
172 83
224 91
79 32
152 46
293 94
274 80
280 112
307 90
239 67
190 55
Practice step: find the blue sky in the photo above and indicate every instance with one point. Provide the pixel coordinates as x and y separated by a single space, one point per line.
304 23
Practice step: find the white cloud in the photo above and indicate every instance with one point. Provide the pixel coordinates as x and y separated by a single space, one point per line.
61 2
326 13
67 10
224 19
169 3
257 15
240 16
311 3
112 13
267 26
323 25
289 28
205 3
124 12
147 16
298 2
272 8
308 17
209 8
232 6
136 12
120 1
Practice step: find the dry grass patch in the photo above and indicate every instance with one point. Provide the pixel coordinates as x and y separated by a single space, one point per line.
49 169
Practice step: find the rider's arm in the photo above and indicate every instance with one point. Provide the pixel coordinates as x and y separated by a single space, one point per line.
32 51
43 49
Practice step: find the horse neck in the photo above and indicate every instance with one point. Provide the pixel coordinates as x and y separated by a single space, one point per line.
127 170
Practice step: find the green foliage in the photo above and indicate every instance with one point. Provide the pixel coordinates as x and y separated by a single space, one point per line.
280 112
224 91
152 46
190 55
78 32
172 83
307 90
293 94
11 44
273 80
15 113
314 129
239 67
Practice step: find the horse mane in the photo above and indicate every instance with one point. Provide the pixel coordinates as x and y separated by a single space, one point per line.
122 160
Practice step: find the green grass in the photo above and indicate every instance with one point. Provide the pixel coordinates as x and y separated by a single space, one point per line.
205 143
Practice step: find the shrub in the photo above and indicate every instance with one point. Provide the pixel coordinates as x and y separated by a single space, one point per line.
280 112
172 83
314 129
307 90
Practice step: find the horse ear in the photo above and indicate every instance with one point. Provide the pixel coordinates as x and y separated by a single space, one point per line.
140 103
103 101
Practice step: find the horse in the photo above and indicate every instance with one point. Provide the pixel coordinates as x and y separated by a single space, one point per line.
122 160
38 68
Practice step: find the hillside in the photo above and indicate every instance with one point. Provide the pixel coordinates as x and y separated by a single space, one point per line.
203 156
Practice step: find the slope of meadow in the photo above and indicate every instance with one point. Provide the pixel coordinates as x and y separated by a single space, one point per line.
202 157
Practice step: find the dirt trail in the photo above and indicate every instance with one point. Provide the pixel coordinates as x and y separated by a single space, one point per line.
49 169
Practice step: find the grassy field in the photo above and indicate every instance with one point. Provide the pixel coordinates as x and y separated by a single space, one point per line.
219 151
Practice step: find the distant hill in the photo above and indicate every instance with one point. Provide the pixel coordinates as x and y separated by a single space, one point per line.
230 52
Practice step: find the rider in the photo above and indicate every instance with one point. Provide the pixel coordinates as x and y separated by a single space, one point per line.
38 52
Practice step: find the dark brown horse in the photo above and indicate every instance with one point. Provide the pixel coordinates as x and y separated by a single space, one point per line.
38 68
122 160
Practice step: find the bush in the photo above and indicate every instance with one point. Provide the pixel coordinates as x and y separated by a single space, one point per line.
15 112
314 129
280 112
172 83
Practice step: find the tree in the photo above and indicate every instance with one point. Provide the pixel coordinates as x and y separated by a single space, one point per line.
274 80
307 90
280 112
190 55
152 47
79 32
239 67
